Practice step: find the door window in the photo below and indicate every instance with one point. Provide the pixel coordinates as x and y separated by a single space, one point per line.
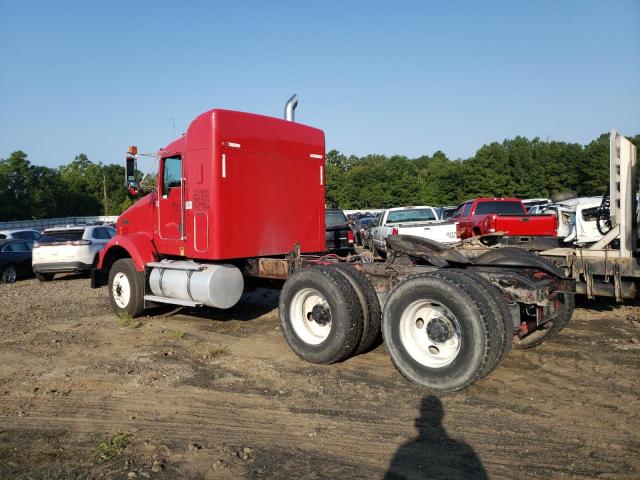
101 233
467 207
171 174
17 247
26 235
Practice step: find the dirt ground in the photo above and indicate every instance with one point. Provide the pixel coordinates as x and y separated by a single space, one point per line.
219 395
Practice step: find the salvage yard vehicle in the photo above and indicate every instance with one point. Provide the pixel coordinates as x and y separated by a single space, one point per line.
610 267
584 220
68 249
15 260
360 227
338 234
31 235
221 215
507 215
419 221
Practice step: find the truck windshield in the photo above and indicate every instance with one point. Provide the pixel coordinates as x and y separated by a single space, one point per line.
335 218
500 208
411 215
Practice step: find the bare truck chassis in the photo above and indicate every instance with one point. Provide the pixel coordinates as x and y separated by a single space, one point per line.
448 316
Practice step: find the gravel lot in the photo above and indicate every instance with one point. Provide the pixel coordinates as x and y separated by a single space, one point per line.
217 395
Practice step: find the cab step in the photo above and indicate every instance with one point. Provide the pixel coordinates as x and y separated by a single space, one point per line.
173 301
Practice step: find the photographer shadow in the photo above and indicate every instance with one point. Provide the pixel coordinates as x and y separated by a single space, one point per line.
433 454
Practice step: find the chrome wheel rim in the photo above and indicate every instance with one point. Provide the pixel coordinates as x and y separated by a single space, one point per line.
310 316
430 333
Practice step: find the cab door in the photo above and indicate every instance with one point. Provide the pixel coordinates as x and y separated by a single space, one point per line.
171 199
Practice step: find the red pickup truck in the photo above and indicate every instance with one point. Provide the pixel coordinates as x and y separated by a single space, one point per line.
508 215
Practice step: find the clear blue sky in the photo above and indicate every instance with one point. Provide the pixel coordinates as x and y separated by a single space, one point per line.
377 77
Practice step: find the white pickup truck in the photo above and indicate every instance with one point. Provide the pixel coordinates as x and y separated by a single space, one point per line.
419 221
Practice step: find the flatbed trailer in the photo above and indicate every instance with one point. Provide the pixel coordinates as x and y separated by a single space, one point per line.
611 266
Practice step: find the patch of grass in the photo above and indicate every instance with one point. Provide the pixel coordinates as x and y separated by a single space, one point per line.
177 334
211 353
127 321
112 446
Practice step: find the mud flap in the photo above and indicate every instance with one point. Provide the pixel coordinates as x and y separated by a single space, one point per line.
545 313
98 278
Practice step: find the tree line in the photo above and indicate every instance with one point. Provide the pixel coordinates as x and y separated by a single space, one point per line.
80 188
518 167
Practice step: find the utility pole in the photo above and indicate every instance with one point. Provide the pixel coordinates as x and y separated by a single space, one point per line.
105 200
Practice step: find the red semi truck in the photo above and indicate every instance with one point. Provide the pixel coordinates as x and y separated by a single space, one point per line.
240 197
507 215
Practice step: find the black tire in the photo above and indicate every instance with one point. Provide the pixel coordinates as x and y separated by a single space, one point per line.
493 297
478 343
344 313
381 253
369 302
567 300
134 305
551 328
368 244
44 277
9 274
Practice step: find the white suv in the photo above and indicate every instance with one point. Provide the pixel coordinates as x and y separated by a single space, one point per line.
68 249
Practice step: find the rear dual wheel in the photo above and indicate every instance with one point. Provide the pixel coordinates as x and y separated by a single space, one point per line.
441 331
329 313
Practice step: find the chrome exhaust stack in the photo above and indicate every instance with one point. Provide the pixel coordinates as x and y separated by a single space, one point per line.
290 107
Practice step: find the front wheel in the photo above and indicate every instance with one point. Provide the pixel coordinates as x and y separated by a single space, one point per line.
44 277
126 289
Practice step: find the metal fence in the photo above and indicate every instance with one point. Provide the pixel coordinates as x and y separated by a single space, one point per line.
56 222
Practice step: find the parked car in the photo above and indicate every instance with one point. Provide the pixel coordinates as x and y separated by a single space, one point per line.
68 249
577 220
31 235
586 222
565 215
339 236
445 213
532 203
360 226
420 221
507 215
15 259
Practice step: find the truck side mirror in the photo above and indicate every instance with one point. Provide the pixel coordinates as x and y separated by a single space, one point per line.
130 172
